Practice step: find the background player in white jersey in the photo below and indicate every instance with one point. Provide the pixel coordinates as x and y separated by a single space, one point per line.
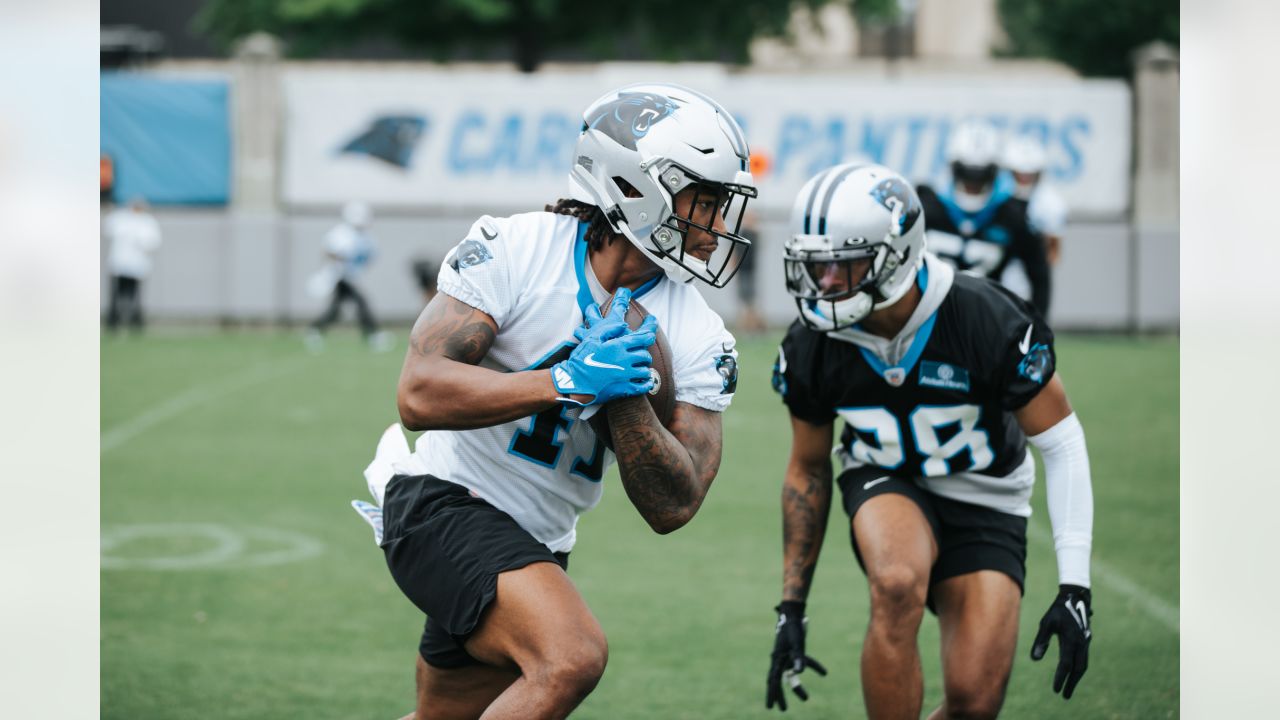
1024 157
501 372
941 379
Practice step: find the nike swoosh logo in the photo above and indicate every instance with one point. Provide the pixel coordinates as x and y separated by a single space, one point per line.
591 360
873 483
1025 345
1080 615
485 232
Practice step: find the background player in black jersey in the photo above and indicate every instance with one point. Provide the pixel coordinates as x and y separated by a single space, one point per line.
941 378
975 220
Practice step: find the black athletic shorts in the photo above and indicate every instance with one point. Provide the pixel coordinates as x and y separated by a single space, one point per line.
445 548
969 537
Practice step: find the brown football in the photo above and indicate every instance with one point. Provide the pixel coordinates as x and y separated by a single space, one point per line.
663 395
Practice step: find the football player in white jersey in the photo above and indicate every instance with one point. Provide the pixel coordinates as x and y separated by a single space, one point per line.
1025 159
502 372
942 379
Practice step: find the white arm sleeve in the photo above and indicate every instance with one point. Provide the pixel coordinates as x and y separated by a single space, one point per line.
1070 496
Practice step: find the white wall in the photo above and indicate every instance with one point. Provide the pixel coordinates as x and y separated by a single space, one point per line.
216 265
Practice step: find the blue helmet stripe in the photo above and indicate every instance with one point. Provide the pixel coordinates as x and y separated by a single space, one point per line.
813 196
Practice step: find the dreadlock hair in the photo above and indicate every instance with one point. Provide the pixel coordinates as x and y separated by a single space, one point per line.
599 232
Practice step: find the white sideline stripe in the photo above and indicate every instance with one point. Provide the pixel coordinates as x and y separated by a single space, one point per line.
1161 611
128 430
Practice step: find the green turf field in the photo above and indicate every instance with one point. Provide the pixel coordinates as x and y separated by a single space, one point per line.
237 582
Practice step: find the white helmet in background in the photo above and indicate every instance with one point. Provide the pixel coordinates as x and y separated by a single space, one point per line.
1025 157
357 214
973 151
659 139
857 241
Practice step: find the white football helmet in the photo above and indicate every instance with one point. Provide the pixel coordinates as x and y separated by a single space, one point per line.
973 149
1025 156
661 139
857 241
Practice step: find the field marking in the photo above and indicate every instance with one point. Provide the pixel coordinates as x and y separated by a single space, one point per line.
198 395
1163 612
229 550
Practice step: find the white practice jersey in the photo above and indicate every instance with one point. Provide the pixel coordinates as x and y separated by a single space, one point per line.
530 274
1046 210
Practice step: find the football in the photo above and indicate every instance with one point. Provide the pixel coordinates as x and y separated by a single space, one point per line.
663 395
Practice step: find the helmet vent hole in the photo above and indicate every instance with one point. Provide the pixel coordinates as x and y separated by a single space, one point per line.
626 188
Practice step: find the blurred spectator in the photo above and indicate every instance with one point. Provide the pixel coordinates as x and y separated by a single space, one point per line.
425 271
749 320
348 249
133 234
1025 159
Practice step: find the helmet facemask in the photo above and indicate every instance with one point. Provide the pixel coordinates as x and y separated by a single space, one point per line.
841 287
714 210
973 184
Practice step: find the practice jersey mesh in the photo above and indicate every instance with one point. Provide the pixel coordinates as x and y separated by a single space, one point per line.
530 273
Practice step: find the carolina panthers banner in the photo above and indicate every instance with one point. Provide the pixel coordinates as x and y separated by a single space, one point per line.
504 142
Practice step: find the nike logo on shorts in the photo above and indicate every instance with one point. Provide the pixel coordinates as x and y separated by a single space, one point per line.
591 360
872 483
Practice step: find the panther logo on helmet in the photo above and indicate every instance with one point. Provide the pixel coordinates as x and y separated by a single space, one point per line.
906 199
630 116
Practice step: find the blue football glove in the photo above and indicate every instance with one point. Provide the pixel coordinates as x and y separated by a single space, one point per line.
611 361
1068 618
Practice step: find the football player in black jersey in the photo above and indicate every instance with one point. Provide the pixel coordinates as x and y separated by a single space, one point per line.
941 378
976 223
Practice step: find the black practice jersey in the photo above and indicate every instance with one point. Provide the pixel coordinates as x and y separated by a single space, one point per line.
947 407
984 242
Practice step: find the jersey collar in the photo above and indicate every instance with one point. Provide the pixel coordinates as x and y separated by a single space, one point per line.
895 375
585 298
1000 192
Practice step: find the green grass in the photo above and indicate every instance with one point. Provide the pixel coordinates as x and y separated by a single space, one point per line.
248 432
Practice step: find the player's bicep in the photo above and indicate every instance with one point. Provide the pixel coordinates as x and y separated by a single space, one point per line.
810 447
699 431
451 329
1049 407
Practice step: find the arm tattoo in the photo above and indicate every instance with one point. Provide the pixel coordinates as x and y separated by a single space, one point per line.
806 502
447 328
666 474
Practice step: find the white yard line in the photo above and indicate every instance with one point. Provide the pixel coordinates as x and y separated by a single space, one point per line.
198 395
1118 582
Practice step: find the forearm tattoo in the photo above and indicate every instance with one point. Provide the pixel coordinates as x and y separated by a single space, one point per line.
449 328
666 474
805 507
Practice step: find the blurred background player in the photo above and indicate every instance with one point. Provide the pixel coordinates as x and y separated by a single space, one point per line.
480 520
975 221
424 274
348 249
942 379
133 234
1025 159
749 319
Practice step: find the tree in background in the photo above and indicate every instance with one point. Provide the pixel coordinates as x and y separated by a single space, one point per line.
1096 37
717 30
